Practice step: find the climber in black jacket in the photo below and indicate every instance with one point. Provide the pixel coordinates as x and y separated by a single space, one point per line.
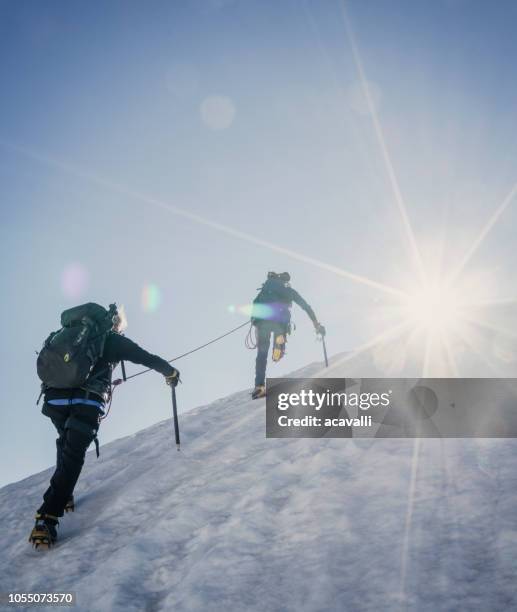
271 314
76 414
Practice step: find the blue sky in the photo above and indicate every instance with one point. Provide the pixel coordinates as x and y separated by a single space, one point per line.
251 115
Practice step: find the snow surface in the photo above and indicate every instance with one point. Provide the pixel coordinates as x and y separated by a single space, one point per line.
238 522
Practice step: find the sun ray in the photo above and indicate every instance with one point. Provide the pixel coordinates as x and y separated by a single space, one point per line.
492 367
427 354
483 234
480 354
136 195
495 328
493 303
450 355
384 148
388 334
415 460
344 118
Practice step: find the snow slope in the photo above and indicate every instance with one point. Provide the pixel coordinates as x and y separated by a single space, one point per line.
237 522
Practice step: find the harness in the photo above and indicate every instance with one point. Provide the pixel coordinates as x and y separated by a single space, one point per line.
73 422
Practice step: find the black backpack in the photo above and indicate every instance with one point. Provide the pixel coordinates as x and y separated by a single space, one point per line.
271 291
69 354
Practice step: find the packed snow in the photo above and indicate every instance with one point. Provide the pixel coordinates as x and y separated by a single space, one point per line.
239 522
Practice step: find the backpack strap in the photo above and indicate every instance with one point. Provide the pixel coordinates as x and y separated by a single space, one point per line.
43 388
103 343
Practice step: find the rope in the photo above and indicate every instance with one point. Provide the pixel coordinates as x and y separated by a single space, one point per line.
250 342
198 348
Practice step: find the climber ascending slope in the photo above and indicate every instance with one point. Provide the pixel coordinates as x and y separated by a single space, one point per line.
271 314
75 365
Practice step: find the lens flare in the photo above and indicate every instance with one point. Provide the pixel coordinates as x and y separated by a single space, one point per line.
217 112
151 298
75 280
258 311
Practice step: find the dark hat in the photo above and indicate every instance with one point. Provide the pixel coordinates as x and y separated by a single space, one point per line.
285 277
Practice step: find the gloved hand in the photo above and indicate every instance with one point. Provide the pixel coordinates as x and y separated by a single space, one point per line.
173 379
320 329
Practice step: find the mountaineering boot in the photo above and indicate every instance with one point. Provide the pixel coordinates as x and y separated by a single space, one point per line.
258 392
44 532
70 505
279 347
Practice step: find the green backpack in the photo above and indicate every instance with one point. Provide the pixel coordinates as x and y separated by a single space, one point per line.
69 354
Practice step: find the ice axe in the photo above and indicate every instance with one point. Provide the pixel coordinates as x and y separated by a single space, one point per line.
321 332
175 413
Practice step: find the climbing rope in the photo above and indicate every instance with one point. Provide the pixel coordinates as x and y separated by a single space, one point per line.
194 350
119 381
250 341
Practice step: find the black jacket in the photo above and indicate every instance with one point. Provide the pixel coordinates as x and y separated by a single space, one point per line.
279 297
117 348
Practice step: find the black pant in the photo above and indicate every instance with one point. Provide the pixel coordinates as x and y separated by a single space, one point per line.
264 331
77 426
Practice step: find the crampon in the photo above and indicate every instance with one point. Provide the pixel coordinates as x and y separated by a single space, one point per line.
44 533
258 392
279 347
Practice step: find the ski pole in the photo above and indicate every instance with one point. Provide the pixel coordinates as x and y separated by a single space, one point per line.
175 414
